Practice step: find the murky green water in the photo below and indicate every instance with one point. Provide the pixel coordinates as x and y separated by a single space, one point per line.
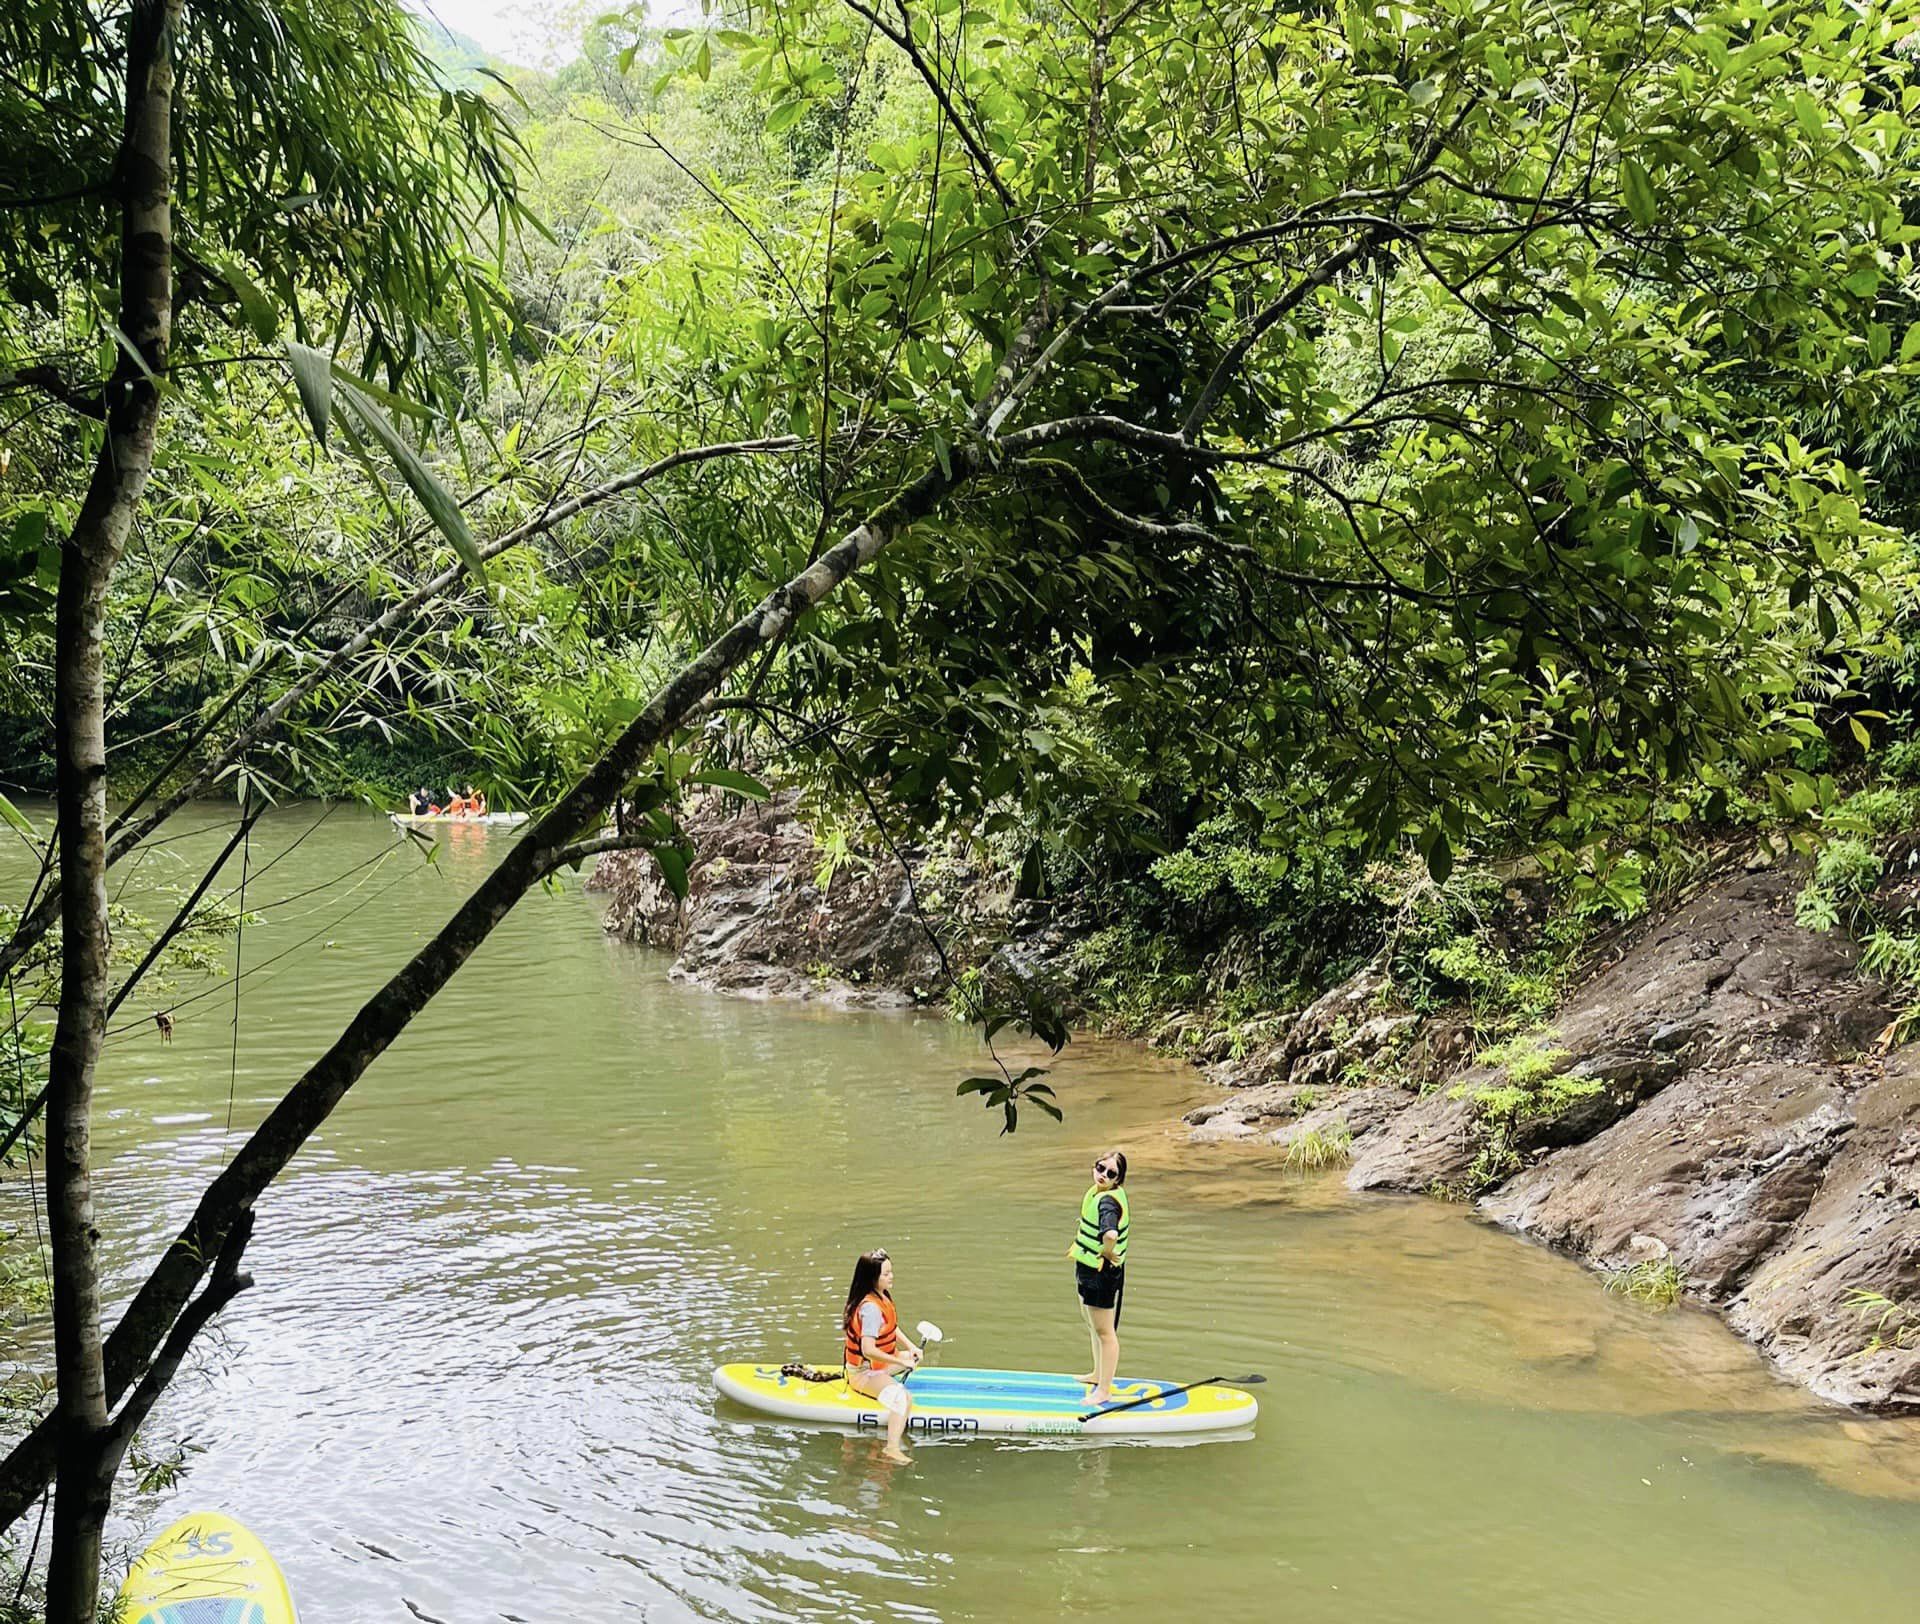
472 1382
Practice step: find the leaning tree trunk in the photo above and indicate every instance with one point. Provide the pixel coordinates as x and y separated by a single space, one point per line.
89 1448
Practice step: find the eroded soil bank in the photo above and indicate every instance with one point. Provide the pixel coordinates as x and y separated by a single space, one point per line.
1709 1110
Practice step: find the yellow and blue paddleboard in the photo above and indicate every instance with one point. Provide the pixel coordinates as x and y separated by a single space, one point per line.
207 1569
957 1403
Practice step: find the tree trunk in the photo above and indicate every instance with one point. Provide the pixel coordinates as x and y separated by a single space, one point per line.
87 1454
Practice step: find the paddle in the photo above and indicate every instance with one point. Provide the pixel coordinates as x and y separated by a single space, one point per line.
1168 1392
930 1334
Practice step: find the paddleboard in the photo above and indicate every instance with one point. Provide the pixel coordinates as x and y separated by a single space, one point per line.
413 820
206 1569
960 1403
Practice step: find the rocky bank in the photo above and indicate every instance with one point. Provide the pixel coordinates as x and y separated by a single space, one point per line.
1711 1099
765 917
1710 1108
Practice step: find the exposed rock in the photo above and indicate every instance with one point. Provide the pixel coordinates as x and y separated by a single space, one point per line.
1355 1113
756 922
1741 1137
1433 1142
1249 1113
1738 1133
1343 1036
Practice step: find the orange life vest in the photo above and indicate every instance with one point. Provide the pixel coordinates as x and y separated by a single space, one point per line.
886 1341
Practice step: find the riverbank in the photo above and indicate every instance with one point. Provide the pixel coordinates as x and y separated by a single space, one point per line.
1707 1111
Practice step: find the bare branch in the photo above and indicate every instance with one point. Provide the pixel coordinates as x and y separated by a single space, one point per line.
48 380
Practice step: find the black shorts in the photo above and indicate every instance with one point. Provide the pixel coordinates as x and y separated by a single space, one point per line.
1100 1288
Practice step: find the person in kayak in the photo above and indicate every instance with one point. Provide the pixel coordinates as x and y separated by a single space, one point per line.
878 1353
1099 1254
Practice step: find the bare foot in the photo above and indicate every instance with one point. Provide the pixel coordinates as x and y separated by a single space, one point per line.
898 1457
1097 1398
1087 1380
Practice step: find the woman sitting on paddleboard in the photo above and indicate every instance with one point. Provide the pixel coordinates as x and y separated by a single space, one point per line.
1099 1253
878 1352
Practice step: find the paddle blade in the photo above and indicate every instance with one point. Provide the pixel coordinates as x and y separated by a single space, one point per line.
929 1332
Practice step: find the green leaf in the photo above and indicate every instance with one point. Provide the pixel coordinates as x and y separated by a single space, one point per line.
313 377
432 495
394 403
29 531
727 778
13 816
1910 344
263 316
1638 189
477 323
784 116
673 869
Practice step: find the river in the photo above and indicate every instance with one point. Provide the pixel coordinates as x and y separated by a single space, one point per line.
473 1380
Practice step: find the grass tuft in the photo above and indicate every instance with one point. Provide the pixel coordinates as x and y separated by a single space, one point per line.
1654 1281
1314 1150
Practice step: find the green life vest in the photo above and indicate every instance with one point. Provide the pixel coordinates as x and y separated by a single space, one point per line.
1086 1239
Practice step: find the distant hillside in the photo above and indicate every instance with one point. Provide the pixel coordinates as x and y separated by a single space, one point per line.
458 56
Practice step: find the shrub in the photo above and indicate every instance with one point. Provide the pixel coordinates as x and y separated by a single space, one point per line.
1844 876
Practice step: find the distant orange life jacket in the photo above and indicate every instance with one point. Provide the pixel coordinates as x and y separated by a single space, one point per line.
885 1341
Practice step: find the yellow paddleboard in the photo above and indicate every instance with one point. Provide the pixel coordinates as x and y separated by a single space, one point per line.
960 1403
207 1569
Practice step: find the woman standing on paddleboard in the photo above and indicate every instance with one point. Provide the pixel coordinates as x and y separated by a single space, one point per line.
1099 1253
877 1351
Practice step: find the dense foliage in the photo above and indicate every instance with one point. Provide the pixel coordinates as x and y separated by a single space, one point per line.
1234 459
1463 366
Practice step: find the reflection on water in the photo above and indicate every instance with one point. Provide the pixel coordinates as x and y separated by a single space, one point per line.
473 1379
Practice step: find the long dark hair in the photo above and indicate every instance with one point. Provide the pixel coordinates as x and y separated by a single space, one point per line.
866 1282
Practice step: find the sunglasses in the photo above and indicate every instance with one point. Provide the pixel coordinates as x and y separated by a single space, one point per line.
879 1255
1106 1170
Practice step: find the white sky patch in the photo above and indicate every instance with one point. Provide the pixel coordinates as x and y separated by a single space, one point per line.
535 33
499 25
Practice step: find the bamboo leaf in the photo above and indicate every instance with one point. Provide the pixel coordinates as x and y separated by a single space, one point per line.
263 316
313 377
426 487
13 816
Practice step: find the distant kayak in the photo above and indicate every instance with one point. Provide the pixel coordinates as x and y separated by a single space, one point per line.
207 1569
957 1403
411 820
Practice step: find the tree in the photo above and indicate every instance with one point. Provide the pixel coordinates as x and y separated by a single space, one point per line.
331 96
1401 389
